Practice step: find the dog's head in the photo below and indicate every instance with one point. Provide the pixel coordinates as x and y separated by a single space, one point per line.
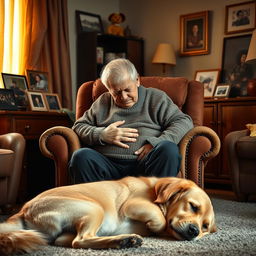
187 208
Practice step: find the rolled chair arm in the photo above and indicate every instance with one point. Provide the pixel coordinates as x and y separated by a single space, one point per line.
15 142
197 147
233 164
59 143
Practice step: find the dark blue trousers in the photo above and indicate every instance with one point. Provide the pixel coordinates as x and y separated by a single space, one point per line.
88 165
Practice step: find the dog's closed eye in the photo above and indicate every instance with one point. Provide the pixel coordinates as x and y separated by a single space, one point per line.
194 207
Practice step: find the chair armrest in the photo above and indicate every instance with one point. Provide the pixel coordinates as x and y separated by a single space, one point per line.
59 143
197 147
233 163
15 142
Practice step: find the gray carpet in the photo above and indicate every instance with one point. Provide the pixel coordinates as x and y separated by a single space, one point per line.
236 235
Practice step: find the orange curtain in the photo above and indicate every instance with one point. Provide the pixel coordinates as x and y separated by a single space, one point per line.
1 33
47 44
35 37
12 27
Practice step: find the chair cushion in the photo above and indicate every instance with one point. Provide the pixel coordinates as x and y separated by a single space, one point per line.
6 162
246 147
175 87
98 89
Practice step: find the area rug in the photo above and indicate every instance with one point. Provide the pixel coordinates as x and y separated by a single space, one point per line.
236 236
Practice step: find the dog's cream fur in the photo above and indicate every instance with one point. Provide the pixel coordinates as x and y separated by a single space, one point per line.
109 214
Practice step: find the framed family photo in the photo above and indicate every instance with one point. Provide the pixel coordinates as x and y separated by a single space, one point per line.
194 34
36 101
235 71
88 22
240 17
52 101
209 78
18 84
38 81
7 100
222 90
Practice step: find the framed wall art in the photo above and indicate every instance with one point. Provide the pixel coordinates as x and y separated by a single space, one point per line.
38 80
240 17
36 101
52 101
209 78
194 34
19 85
88 22
7 100
235 71
222 90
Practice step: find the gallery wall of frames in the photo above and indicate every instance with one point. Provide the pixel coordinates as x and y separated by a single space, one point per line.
30 92
232 79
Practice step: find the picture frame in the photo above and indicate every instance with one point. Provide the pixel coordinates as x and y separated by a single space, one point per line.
209 78
222 90
52 101
38 81
88 22
7 100
240 17
235 71
36 101
194 30
19 85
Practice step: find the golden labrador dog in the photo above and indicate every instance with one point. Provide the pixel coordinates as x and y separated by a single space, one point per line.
109 214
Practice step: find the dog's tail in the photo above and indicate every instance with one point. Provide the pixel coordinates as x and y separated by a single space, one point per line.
14 238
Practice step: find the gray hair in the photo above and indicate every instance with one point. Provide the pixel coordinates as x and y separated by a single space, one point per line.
117 71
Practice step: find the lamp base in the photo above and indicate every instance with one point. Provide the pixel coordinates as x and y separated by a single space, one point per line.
251 87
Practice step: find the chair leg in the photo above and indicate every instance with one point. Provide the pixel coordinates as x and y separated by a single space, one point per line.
242 197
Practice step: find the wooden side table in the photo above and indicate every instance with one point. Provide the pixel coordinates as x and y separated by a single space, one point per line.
38 171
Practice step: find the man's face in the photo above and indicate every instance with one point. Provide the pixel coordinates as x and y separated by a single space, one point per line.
195 28
125 94
243 58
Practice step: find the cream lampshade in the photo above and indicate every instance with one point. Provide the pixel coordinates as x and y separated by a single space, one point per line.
251 56
164 54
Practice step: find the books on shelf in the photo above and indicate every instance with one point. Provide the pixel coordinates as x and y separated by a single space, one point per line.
108 56
112 55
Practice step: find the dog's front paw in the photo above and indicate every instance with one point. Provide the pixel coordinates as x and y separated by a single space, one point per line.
156 226
130 241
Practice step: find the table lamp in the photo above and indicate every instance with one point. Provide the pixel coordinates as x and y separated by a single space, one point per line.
251 57
164 55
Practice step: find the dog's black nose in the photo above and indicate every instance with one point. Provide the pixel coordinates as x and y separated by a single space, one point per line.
192 231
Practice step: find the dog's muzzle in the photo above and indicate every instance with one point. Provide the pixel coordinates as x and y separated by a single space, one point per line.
186 232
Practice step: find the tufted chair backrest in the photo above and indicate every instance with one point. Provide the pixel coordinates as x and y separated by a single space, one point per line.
188 95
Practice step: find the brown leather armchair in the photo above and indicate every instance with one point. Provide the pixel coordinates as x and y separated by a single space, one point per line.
241 151
198 146
12 147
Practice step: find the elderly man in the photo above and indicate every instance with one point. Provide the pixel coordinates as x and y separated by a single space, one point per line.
129 130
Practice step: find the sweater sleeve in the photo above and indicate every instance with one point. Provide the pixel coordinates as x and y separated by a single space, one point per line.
175 124
86 126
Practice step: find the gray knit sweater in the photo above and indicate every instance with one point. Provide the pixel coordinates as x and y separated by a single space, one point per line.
155 116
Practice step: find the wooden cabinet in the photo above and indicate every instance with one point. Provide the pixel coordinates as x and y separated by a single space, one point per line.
224 116
38 171
89 66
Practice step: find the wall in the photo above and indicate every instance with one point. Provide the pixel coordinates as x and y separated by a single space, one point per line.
93 6
158 22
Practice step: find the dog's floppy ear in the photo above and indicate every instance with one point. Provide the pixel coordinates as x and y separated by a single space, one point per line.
165 188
